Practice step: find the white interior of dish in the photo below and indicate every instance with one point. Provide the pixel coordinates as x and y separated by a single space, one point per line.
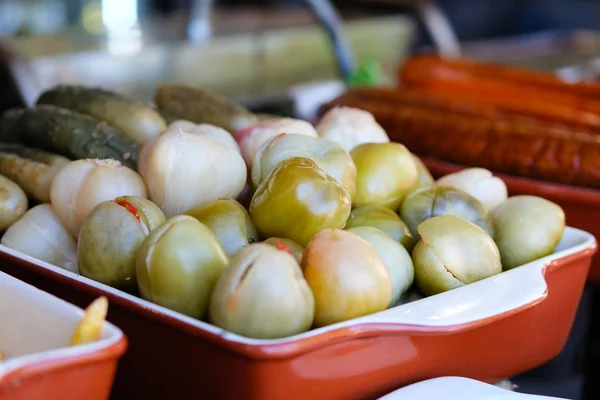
492 296
36 326
457 388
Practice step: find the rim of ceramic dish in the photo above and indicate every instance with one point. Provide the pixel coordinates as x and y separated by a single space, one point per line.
551 190
70 357
526 282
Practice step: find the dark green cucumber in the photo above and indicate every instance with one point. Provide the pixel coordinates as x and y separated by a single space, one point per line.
68 133
202 106
134 119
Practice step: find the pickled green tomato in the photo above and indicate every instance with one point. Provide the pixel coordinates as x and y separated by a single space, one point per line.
294 248
383 218
262 294
347 276
110 238
178 265
386 172
297 200
527 228
328 155
424 176
229 221
453 252
432 201
395 257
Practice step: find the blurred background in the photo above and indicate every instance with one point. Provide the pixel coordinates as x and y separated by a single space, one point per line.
256 50
179 36
471 18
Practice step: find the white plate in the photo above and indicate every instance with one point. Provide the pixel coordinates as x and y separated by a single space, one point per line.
36 327
457 388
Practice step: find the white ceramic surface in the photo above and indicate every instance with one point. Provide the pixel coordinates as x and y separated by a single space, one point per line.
517 288
457 388
309 96
36 326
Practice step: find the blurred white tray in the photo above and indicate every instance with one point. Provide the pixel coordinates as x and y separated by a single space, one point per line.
36 327
457 388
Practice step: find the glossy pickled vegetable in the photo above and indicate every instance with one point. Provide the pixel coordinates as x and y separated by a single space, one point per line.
183 170
527 228
70 134
453 252
424 176
13 202
252 138
383 218
178 265
110 238
479 183
39 233
347 276
386 172
81 185
202 106
131 117
350 127
432 201
287 245
208 131
262 294
89 328
394 256
32 169
297 200
229 221
330 156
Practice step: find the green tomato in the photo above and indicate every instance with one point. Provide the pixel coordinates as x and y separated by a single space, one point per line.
386 172
178 265
297 200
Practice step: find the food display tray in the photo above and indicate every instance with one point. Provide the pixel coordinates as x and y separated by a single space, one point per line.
35 328
489 330
581 205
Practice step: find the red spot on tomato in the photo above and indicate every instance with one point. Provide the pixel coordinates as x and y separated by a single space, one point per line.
131 209
282 247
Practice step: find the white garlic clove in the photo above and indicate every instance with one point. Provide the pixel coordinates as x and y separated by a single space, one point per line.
479 183
252 138
40 234
81 185
183 170
217 134
207 130
351 127
181 124
330 156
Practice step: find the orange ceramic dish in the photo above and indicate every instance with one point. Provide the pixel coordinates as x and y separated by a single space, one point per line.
489 330
35 329
581 205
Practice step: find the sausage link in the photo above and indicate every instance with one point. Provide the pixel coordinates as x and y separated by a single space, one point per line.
425 67
509 90
510 145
